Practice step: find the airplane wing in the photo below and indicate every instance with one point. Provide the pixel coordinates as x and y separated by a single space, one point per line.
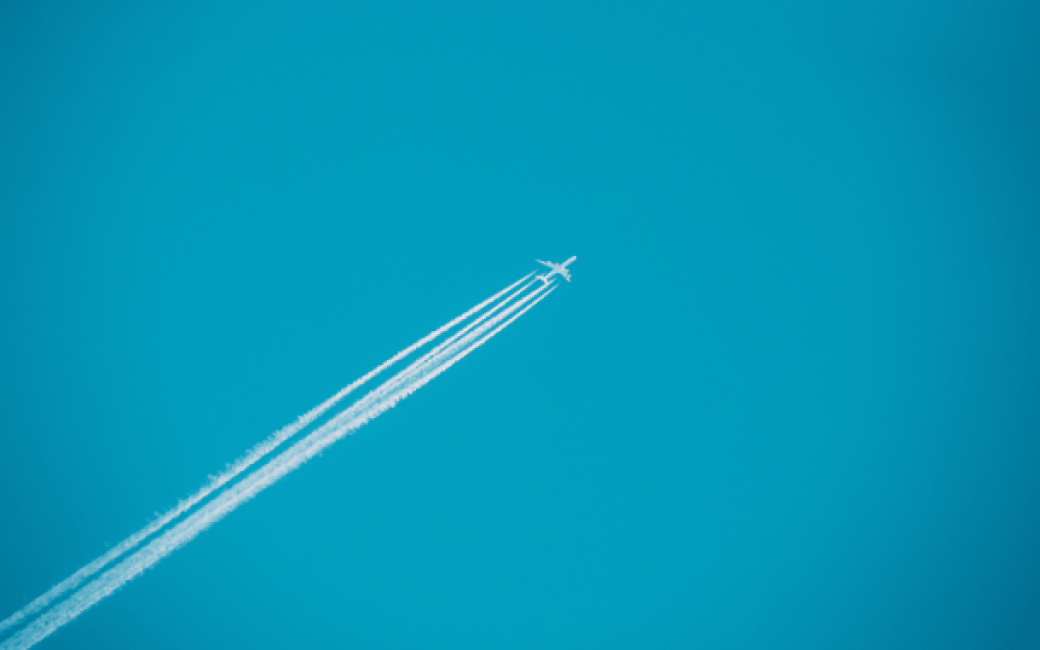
566 275
549 264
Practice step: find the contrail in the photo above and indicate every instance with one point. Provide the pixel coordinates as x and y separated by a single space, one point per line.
440 346
233 470
422 365
376 402
371 406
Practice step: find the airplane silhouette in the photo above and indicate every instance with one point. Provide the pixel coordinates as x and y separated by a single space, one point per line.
560 269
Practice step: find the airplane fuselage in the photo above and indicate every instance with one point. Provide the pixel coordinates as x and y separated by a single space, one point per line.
557 269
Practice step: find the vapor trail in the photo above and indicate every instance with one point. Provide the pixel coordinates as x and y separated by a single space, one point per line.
377 402
420 366
234 469
440 346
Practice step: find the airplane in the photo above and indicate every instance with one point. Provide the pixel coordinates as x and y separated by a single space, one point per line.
556 269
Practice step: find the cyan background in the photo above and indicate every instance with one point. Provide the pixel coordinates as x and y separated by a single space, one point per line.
791 399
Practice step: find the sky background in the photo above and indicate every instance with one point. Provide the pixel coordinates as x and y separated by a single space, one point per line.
790 400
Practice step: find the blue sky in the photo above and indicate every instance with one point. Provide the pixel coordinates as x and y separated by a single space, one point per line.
789 399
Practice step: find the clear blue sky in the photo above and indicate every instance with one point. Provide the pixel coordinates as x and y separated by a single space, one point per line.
789 401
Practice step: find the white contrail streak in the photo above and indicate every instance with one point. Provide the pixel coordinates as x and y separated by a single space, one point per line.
422 365
369 407
440 346
233 470
378 401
